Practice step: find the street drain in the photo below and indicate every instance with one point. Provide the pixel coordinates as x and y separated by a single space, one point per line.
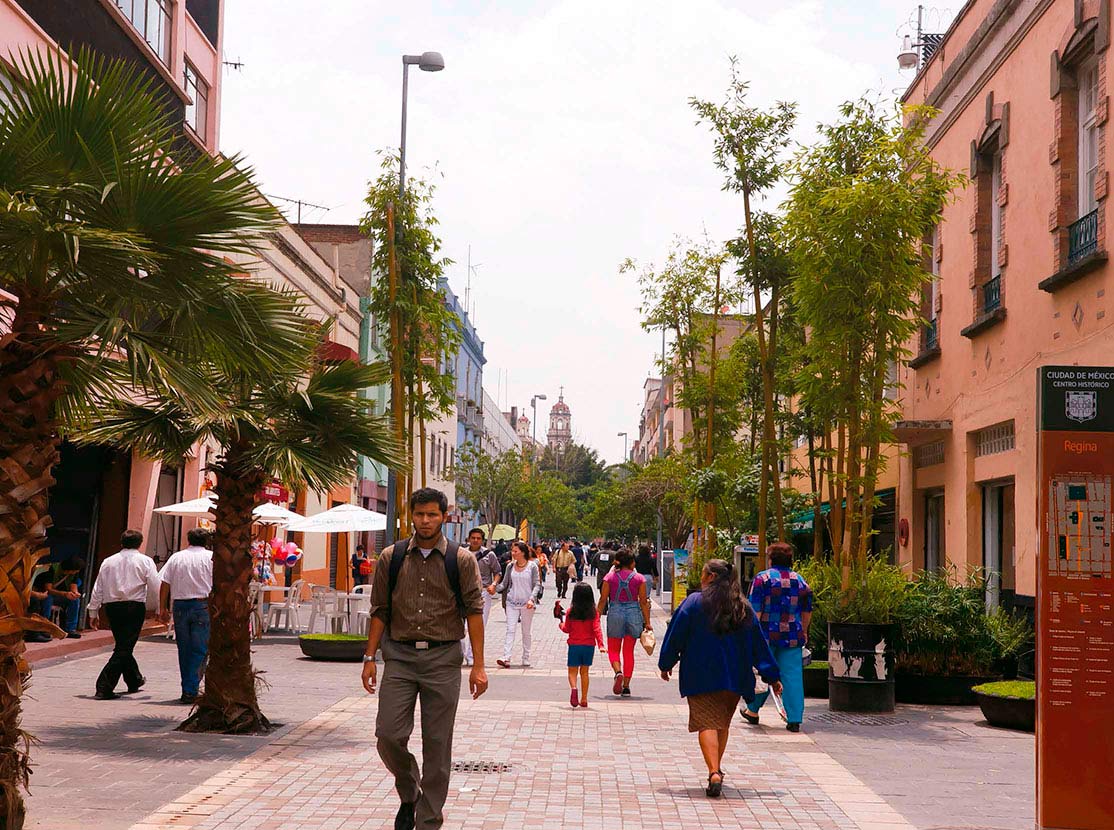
858 720
487 767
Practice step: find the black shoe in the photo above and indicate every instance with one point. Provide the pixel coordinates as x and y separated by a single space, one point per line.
793 727
133 689
72 635
749 718
714 788
187 699
625 692
404 818
36 637
106 696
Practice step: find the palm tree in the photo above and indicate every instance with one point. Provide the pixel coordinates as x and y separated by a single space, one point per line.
305 425
114 280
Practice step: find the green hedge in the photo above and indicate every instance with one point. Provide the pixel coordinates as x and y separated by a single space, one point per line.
334 638
1021 689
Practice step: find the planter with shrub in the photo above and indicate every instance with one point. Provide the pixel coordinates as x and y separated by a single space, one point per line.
345 648
816 679
1011 704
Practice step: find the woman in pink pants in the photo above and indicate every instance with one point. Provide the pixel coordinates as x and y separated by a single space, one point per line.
623 594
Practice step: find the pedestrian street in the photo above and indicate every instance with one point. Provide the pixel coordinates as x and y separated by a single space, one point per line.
522 757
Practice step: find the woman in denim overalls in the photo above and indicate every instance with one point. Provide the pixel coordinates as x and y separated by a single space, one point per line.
623 594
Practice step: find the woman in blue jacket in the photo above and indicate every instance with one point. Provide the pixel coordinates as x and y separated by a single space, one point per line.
719 644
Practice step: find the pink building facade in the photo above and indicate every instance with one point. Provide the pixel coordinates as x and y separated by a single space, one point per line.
1019 267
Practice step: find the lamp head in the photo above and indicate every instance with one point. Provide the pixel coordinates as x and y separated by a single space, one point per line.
431 62
907 58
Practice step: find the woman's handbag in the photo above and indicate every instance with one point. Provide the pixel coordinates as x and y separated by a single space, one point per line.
648 640
571 571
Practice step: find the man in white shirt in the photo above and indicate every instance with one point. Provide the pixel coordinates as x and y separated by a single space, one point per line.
187 579
120 596
490 577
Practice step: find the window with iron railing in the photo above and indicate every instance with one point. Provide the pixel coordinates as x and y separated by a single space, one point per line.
931 335
992 294
151 18
928 455
1083 237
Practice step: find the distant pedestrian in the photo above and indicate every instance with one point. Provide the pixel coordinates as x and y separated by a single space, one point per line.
646 564
716 638
63 589
582 624
490 577
423 591
187 581
783 601
503 551
593 559
581 559
628 615
362 566
522 590
603 562
120 592
564 569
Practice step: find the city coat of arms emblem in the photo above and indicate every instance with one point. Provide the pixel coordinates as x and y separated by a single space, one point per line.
1081 406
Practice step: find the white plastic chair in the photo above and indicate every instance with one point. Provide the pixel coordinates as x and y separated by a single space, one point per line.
363 611
326 605
256 625
286 615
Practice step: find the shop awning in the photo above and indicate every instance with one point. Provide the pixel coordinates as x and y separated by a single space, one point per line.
801 522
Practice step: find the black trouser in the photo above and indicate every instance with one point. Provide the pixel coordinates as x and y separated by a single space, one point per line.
562 581
126 621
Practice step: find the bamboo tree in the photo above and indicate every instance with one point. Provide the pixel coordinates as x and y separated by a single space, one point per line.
748 147
863 199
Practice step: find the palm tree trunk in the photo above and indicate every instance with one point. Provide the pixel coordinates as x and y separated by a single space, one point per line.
29 442
229 702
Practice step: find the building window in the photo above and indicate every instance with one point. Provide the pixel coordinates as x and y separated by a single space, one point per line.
1087 79
151 18
995 439
928 455
995 217
197 111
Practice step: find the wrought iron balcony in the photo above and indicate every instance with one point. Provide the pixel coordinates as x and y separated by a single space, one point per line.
1083 237
931 336
992 295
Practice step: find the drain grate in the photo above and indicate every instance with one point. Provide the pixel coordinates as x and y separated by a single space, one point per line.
857 720
485 767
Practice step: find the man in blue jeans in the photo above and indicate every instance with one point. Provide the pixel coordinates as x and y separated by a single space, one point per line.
63 589
187 580
783 602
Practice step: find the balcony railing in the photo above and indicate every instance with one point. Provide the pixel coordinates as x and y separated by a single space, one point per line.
1083 237
931 336
992 295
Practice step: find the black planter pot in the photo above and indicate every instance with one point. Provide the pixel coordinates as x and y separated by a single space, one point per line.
341 651
938 690
861 668
1008 712
815 682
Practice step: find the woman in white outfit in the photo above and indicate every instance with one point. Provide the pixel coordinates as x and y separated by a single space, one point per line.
522 590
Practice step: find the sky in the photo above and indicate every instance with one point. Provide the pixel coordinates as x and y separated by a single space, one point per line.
561 142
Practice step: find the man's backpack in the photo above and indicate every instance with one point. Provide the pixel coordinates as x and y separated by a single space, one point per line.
452 570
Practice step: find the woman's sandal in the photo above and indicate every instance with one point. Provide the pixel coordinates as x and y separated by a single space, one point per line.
715 788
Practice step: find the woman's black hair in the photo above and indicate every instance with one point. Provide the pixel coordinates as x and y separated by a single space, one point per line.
583 605
624 559
724 602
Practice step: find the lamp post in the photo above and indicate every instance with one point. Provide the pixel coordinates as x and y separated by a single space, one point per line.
427 62
534 406
623 435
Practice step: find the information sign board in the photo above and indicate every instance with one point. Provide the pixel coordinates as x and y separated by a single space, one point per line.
1075 599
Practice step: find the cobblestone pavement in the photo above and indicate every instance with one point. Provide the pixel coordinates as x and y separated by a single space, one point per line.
118 764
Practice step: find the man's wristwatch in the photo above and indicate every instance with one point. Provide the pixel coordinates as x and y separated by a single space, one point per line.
369 658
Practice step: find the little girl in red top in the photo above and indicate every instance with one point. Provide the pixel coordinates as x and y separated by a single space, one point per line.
582 624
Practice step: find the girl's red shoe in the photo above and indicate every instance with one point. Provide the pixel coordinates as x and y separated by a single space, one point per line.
573 698
584 703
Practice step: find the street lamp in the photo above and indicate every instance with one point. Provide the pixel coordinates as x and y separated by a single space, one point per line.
427 62
623 435
534 405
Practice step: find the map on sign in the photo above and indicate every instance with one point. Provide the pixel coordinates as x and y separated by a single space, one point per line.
1080 526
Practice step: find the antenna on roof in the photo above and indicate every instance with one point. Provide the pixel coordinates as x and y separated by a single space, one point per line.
237 64
299 203
468 309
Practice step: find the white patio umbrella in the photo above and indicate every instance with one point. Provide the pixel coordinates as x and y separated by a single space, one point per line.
273 514
344 518
201 508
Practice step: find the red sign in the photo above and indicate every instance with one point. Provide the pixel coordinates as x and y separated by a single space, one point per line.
1075 599
275 492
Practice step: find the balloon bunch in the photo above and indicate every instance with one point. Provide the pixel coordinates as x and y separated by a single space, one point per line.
285 553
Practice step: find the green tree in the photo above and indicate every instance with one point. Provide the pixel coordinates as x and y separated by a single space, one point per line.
576 465
114 282
864 198
306 426
488 482
424 331
749 146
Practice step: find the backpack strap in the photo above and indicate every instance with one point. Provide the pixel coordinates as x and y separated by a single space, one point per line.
398 554
452 570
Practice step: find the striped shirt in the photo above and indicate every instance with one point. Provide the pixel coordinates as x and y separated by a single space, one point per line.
424 606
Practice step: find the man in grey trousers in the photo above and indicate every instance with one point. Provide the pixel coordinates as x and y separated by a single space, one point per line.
423 618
